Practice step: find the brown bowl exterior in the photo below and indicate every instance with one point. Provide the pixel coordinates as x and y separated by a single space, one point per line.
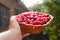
31 29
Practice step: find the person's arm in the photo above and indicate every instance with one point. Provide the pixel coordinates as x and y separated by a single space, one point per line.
14 32
11 34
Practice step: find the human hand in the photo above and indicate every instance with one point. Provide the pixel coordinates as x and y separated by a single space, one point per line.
14 25
14 31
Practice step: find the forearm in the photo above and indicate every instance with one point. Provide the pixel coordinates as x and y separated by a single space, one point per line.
11 34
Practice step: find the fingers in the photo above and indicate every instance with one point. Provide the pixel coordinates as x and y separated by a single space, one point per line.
13 18
25 34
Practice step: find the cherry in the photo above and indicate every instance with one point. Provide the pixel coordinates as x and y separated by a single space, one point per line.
48 18
32 23
35 18
36 13
45 15
35 23
40 22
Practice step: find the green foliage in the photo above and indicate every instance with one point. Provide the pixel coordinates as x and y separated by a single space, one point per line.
35 7
44 8
54 27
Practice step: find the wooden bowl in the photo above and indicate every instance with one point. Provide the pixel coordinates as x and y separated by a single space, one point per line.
33 29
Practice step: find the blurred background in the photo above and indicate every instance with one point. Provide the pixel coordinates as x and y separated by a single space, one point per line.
15 7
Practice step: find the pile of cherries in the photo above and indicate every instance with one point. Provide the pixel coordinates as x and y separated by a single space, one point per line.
33 18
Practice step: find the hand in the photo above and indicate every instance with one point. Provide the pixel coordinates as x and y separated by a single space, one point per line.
14 32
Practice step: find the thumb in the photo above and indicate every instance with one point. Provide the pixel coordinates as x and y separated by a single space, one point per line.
25 34
13 23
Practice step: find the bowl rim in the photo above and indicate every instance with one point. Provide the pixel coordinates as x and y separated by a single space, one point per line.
40 25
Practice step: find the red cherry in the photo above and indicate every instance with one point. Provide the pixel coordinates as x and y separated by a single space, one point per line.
48 18
36 13
40 22
39 15
45 20
32 23
35 18
26 22
45 15
19 20
35 23
41 19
